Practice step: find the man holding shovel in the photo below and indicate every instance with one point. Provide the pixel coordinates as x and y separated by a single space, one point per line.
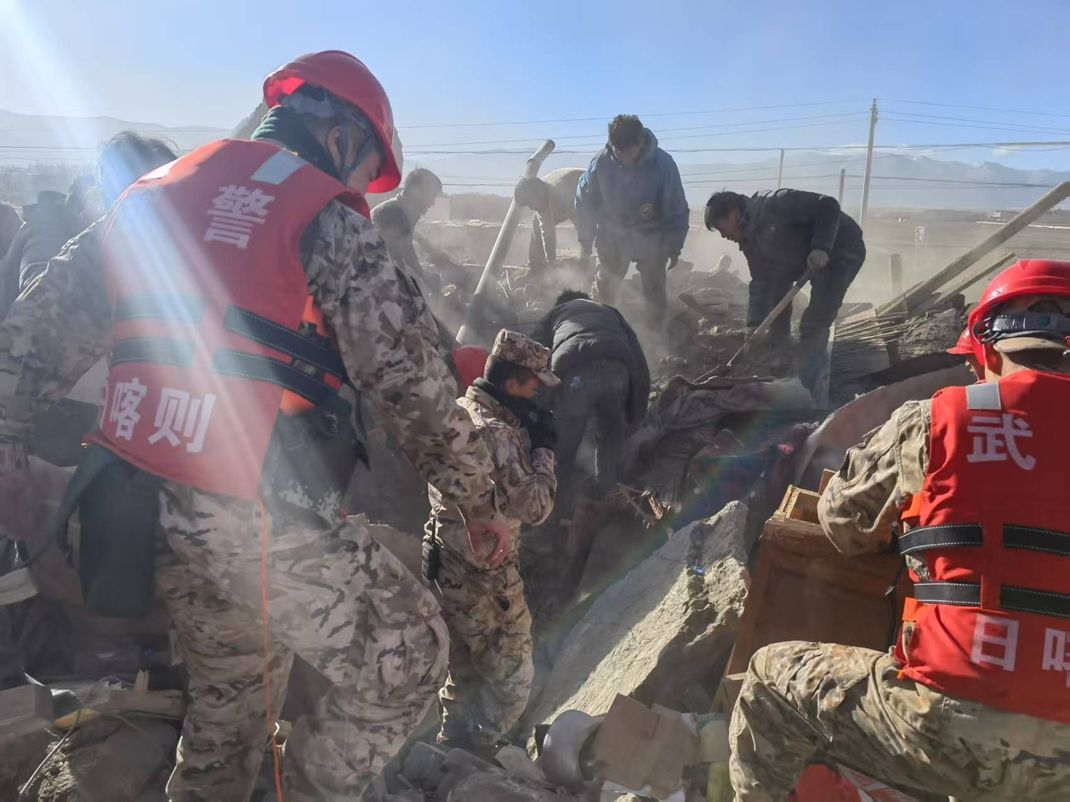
784 235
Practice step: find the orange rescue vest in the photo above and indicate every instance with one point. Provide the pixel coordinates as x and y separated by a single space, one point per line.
991 621
214 334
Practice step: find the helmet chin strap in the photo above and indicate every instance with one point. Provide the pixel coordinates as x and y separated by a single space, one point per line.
1050 325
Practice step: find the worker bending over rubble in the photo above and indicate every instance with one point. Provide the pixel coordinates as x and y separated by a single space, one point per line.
973 701
239 290
490 668
553 199
784 234
396 219
630 204
605 384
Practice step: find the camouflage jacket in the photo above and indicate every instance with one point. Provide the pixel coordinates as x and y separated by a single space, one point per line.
876 479
388 340
526 486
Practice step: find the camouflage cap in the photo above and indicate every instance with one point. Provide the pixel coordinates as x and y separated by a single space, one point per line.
512 346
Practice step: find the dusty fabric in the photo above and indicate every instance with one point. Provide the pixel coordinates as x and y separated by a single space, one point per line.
338 599
877 477
805 701
490 670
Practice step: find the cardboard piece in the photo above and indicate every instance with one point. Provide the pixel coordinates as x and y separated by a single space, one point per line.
645 749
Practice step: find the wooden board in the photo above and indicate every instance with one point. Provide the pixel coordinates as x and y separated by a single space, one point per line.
803 589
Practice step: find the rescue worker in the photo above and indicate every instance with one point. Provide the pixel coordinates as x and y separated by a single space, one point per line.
490 667
964 347
553 199
396 219
630 204
240 290
973 701
784 234
605 385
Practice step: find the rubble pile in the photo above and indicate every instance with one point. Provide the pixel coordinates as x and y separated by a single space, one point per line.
635 666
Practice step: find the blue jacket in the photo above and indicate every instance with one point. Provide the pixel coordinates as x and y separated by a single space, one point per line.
639 211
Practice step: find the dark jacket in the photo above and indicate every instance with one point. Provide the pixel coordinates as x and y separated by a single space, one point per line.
581 331
641 208
50 223
781 228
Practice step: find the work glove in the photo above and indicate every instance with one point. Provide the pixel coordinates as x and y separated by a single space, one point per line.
674 259
818 259
542 429
18 501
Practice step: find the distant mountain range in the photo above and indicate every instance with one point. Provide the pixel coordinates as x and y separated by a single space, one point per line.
901 180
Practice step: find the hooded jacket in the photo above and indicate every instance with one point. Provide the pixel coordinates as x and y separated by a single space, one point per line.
639 210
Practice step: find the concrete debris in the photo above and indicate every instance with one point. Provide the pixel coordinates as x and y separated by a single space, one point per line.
500 787
667 624
109 760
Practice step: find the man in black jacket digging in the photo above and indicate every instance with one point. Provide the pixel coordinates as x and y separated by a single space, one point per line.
605 382
783 234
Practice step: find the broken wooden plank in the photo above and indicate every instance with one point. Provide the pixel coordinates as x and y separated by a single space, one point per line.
798 504
25 709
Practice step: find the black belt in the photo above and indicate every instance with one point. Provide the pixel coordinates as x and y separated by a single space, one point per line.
152 349
265 369
966 594
958 535
268 332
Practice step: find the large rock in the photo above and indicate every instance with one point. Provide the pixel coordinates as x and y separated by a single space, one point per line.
668 624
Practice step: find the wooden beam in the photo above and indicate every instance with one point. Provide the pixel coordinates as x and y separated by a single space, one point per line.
1051 199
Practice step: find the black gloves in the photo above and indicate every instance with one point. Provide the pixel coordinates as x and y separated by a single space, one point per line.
542 429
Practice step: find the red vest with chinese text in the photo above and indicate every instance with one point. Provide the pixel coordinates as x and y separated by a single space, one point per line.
992 623
214 333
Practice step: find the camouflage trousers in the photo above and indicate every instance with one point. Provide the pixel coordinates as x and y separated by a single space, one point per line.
490 666
802 702
336 598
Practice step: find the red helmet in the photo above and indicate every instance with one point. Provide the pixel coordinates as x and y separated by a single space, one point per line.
471 361
1023 278
345 77
964 346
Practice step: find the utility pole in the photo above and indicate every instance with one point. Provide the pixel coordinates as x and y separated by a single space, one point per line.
869 164
780 170
843 180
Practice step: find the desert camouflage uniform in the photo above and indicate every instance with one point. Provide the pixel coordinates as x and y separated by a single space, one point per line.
335 596
802 702
490 627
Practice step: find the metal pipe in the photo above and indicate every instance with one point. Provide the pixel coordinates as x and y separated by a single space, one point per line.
919 292
843 180
474 317
780 171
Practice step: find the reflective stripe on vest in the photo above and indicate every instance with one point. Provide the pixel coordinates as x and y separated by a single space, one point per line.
991 621
214 333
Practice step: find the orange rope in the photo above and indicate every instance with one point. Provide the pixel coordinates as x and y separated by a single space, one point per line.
265 534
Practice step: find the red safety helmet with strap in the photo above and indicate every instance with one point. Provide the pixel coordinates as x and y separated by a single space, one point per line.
1025 278
964 346
347 78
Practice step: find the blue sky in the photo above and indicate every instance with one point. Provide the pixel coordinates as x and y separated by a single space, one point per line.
200 62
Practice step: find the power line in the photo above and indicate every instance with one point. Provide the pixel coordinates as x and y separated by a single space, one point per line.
601 139
983 108
607 117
